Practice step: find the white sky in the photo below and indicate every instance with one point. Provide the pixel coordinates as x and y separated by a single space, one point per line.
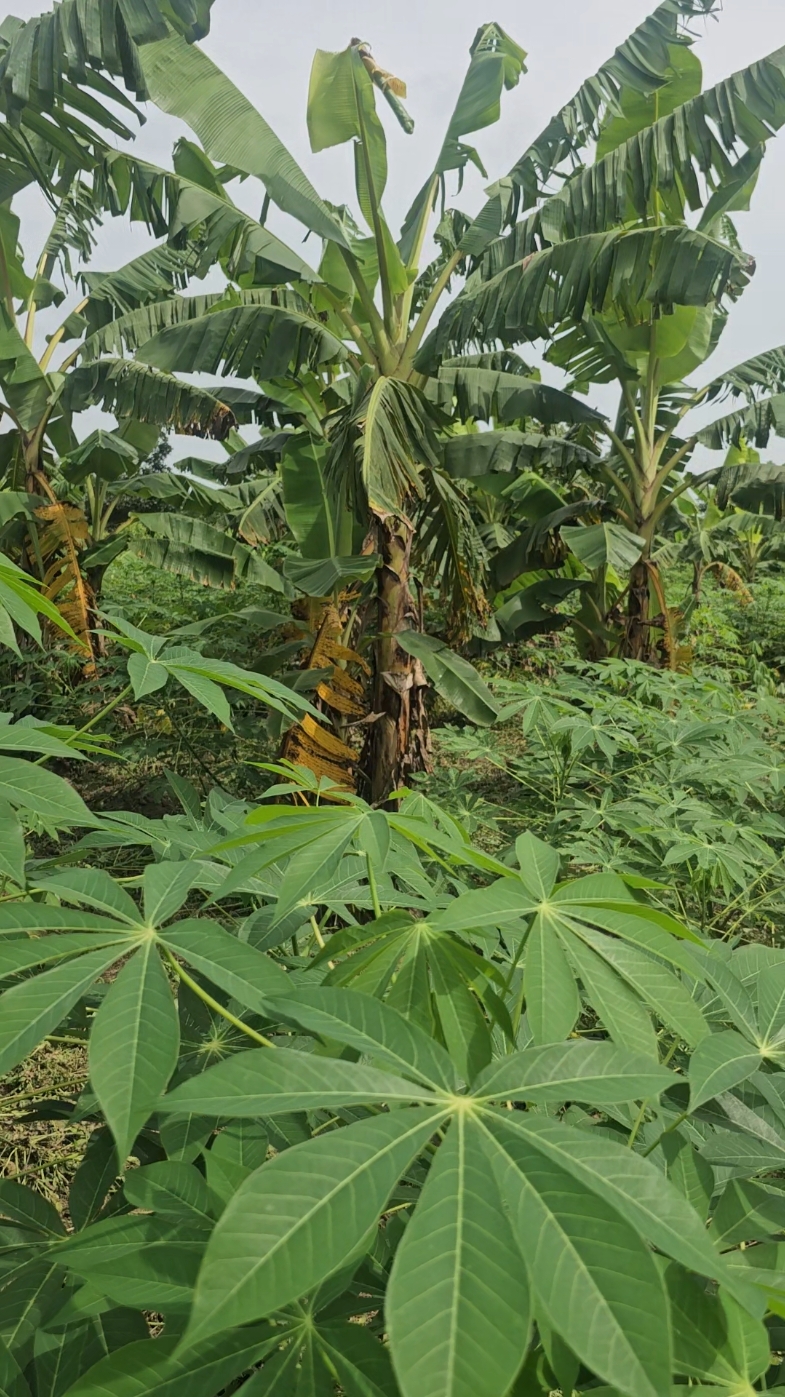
268 51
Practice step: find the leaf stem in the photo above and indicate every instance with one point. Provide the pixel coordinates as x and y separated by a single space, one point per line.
214 1005
377 907
424 318
110 707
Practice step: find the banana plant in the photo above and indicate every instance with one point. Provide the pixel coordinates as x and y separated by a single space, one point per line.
615 285
390 405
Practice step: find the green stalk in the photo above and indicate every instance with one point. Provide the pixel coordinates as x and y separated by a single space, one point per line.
426 314
214 1005
110 707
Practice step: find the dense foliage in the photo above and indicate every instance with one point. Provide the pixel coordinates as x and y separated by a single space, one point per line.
339 1055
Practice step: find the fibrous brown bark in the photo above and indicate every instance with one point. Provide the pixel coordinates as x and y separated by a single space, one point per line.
399 741
637 640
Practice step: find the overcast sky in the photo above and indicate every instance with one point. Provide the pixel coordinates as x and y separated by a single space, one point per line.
267 51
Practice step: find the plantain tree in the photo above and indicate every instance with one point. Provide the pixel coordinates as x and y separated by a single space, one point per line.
626 275
380 402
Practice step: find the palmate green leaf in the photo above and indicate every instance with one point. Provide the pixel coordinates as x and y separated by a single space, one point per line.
93 1179
596 1282
31 789
301 1216
93 887
373 1027
34 1008
150 1366
713 1338
771 1005
20 955
746 1212
183 81
21 601
457 1305
553 1003
462 1021
170 1188
595 1072
29 1209
12 1379
268 1082
137 1260
134 1045
635 1187
625 1017
454 677
240 970
720 1061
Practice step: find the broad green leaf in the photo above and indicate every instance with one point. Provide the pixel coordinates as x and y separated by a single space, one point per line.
319 577
747 1212
267 1081
133 1046
93 1179
23 954
771 1004
637 1189
12 1379
243 972
29 1209
457 1306
553 1003
238 1150
310 508
301 1216
150 1366
170 1188
594 1278
27 787
183 81
462 1022
454 677
165 887
94 888
720 1062
539 865
12 847
713 1338
34 1008
141 1261
604 545
627 1020
372 1027
688 1171
595 1072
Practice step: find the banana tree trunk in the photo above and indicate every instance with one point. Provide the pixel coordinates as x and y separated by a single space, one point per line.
637 639
399 741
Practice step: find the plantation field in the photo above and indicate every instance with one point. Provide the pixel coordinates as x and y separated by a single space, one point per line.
392 720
